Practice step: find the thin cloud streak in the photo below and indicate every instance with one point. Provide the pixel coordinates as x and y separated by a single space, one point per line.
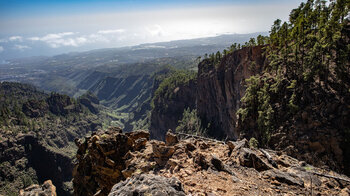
112 31
21 47
16 38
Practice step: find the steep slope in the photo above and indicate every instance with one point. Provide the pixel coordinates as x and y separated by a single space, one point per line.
123 92
221 87
26 160
37 132
172 95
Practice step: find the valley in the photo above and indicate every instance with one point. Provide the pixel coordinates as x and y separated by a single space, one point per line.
249 114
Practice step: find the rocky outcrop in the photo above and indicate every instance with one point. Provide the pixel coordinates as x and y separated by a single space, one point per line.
35 108
148 184
46 189
203 167
101 162
61 104
221 87
168 111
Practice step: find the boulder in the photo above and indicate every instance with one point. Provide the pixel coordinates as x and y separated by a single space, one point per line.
231 145
138 134
171 139
148 184
190 146
241 144
46 189
249 158
219 165
200 161
284 177
162 153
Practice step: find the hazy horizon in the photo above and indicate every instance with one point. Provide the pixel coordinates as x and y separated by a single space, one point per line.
47 28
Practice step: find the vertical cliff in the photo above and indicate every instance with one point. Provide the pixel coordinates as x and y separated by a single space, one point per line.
221 87
174 94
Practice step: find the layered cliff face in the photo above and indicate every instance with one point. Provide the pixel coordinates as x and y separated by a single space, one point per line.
193 166
169 102
220 88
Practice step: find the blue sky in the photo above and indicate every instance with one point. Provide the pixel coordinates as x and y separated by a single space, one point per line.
38 27
10 9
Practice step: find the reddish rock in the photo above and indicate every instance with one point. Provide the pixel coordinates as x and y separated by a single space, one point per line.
46 189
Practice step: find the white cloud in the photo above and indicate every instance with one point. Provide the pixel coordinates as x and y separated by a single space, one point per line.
49 37
75 42
34 38
21 47
56 40
111 31
52 36
1 49
155 30
16 38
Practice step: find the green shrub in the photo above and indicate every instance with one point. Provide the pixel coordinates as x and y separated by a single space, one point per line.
168 84
26 181
191 123
253 143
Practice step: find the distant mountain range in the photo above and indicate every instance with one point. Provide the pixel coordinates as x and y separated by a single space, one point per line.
7 56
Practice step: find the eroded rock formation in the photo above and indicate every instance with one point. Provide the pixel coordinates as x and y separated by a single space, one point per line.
203 167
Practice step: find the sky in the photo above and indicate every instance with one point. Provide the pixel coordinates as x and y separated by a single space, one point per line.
48 27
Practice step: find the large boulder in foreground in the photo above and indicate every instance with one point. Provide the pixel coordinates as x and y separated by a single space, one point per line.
148 184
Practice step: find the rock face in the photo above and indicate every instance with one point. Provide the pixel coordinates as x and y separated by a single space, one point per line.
25 160
148 184
168 111
61 104
46 189
220 89
101 161
137 166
